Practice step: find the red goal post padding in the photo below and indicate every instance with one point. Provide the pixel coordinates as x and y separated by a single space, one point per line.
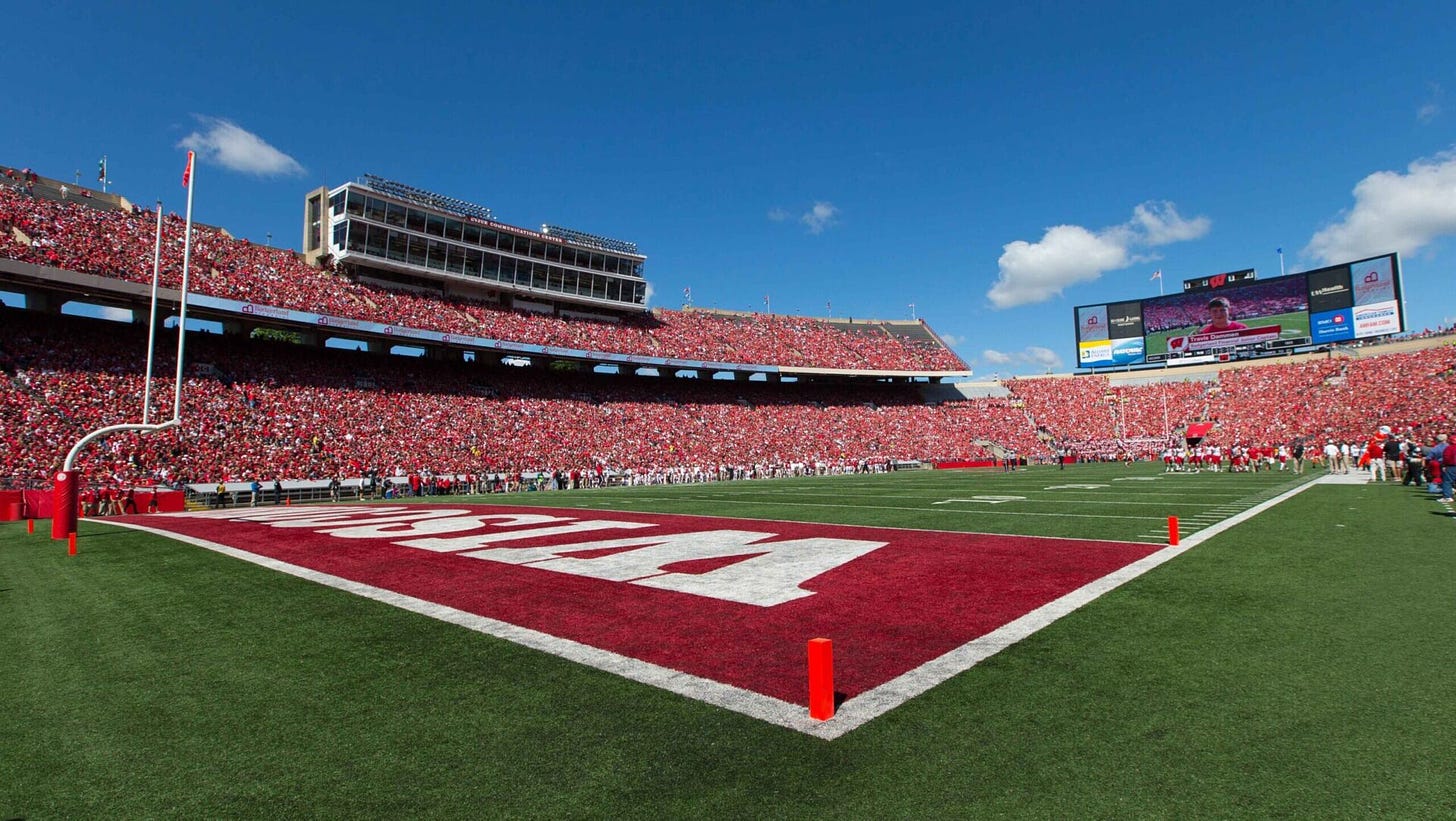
40 504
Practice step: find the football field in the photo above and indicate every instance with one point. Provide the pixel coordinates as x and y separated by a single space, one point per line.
1293 325
1020 643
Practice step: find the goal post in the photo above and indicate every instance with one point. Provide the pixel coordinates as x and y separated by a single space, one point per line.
68 479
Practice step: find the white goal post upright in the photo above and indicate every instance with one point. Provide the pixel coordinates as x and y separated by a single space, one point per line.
64 512
182 309
152 320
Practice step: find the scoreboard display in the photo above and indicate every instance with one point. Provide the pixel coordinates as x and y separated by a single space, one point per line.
1219 280
1232 312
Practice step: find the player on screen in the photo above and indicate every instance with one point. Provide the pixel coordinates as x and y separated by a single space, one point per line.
1219 317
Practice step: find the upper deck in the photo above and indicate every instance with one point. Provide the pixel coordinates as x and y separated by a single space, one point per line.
379 225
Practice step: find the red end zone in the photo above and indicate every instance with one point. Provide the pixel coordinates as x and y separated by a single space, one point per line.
728 600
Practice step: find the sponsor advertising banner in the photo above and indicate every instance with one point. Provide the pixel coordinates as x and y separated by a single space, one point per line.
1374 282
1329 290
1332 326
1092 323
1094 353
1376 319
1127 351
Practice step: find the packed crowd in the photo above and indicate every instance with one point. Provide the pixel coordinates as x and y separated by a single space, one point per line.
255 410
1092 419
1310 402
121 245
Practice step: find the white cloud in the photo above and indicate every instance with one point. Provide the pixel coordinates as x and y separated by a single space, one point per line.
1066 255
1431 109
1041 358
233 147
819 217
1160 224
1393 212
1069 254
951 340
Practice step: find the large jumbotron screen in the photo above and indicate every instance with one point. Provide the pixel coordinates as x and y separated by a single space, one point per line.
1355 300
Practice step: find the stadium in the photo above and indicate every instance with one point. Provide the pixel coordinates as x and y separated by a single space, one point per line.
451 522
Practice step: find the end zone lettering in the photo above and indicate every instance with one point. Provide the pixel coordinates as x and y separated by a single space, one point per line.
677 601
753 570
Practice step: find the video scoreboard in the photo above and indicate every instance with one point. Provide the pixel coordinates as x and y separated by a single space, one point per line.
1217 316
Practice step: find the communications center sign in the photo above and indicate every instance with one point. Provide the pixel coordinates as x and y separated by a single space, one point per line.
1357 300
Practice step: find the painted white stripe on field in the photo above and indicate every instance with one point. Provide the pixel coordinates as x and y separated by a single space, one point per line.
949 510
875 702
747 702
852 714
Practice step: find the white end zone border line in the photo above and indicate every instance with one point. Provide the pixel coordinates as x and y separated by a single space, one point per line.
747 702
851 715
893 693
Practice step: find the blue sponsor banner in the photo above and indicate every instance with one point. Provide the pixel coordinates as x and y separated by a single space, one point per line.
1332 326
1127 351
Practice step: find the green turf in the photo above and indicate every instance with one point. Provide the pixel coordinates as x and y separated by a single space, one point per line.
1292 325
1297 665
1083 501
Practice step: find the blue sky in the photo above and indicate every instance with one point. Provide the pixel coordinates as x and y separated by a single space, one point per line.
993 164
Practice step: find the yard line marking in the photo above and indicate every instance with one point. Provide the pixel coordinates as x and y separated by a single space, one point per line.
978 512
1059 498
990 500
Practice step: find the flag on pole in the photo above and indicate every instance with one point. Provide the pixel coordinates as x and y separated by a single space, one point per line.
1278 250
101 169
1158 274
187 172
